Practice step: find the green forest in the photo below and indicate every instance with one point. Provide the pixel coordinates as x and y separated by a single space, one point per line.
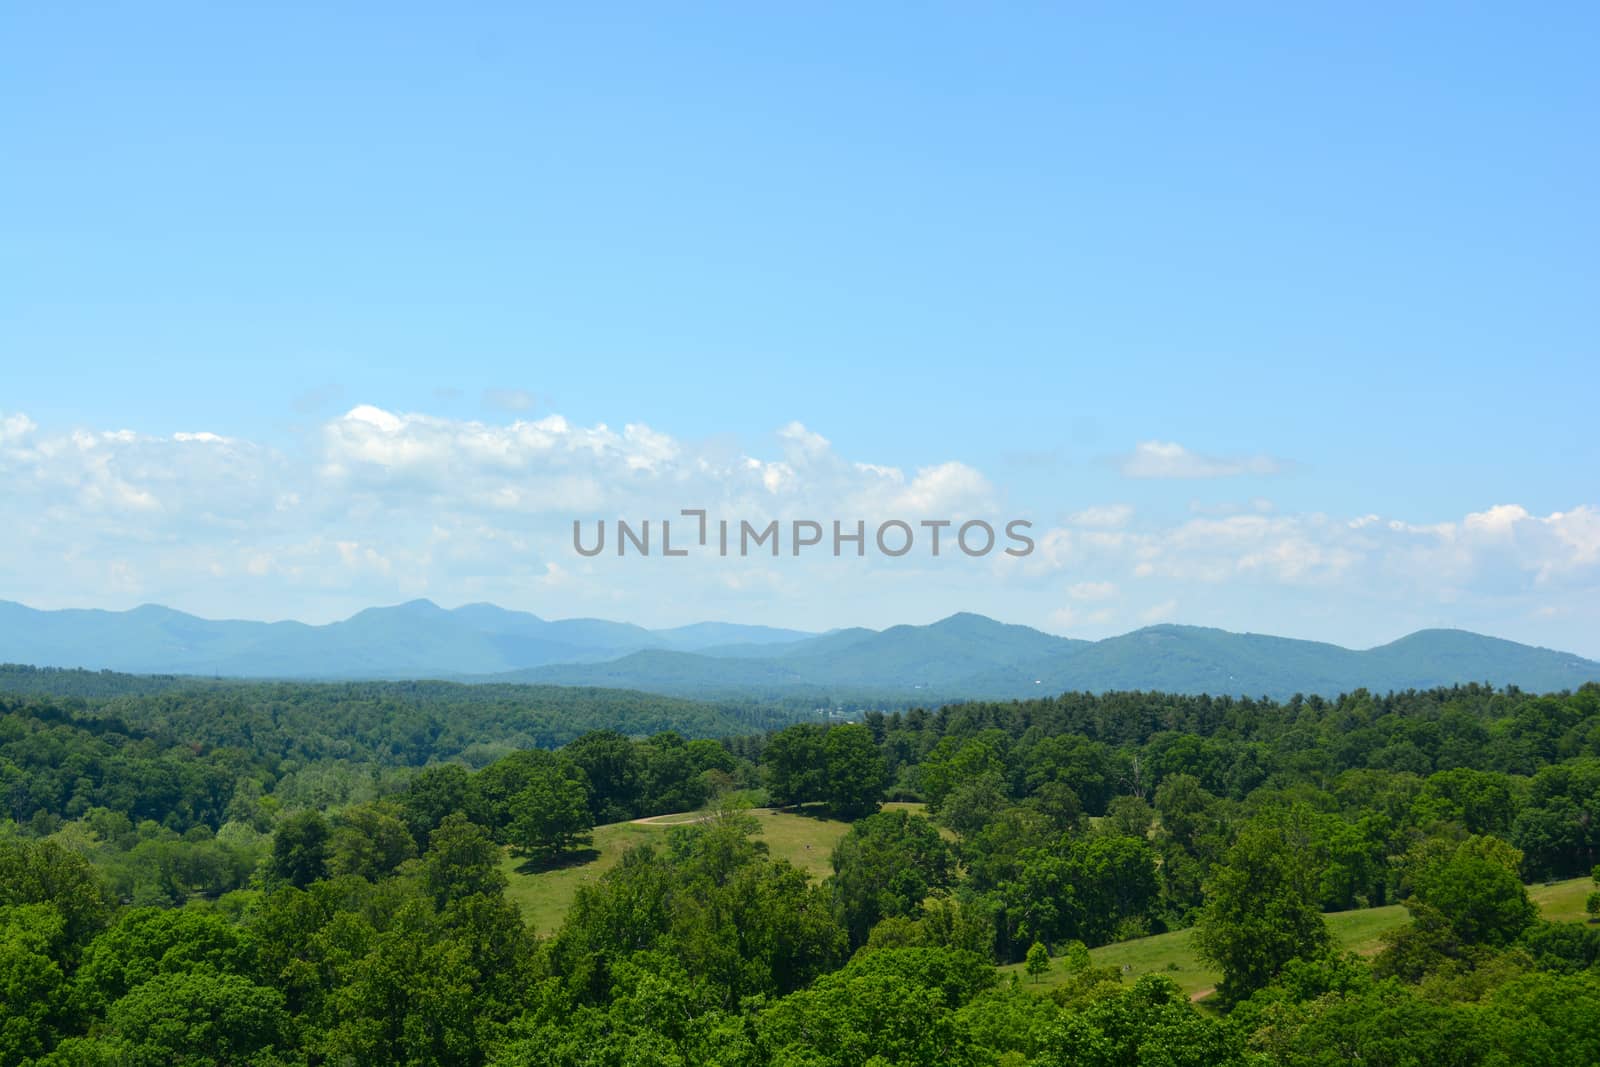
285 874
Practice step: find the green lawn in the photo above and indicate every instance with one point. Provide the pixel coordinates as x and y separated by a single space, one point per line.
807 841
544 896
1173 955
1563 901
1359 931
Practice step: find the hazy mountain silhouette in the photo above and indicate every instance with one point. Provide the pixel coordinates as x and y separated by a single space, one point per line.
964 655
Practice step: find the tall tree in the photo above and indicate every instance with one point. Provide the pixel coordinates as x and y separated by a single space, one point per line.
795 764
550 815
854 775
887 865
1261 903
1478 892
300 849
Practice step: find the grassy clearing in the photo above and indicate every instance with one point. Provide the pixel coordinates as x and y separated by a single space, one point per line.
544 895
1173 954
806 840
1563 901
1357 931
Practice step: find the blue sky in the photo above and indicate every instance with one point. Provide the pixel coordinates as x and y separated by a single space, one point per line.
1344 260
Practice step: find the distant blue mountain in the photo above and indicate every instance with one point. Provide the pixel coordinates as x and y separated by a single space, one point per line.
971 657
963 656
411 640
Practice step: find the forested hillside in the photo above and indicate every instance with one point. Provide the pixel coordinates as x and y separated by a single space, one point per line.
390 723
88 685
292 884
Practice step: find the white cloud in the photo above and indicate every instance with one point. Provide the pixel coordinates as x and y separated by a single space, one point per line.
1579 531
775 477
529 465
1167 459
1108 516
555 575
357 557
1258 505
1498 552
381 496
803 443
1165 611
949 488
1070 618
375 417
1497 522
15 428
377 504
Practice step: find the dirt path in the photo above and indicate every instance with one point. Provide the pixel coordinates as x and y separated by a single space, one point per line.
689 818
670 820
1201 994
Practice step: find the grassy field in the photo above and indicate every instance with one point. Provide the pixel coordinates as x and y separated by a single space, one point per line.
545 895
1173 955
1358 931
1563 901
807 841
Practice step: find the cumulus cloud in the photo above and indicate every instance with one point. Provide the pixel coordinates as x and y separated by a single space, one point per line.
375 504
1167 459
1071 618
15 428
1166 611
1579 531
545 464
553 465
1259 505
952 488
803 443
409 498
1499 548
130 482
1104 516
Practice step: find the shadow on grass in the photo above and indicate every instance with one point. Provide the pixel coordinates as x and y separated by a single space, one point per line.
543 864
819 812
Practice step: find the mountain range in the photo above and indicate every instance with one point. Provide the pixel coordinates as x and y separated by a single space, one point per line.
963 656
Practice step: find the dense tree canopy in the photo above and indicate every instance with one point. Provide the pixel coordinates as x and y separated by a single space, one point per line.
285 875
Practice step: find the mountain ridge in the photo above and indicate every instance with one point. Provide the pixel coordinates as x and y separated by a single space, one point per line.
962 656
411 639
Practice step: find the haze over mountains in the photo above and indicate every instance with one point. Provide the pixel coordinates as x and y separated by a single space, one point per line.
962 656
418 639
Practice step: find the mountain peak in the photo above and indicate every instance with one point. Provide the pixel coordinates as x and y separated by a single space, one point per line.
483 611
157 611
419 609
965 620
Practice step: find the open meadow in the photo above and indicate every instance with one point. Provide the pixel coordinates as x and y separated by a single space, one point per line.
1360 931
544 895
